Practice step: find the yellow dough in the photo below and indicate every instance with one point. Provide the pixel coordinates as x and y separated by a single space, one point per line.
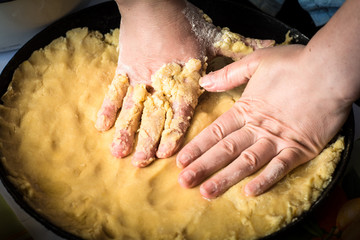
232 42
64 168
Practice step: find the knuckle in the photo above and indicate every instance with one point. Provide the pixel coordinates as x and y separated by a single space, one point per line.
199 170
217 130
250 158
282 165
288 160
225 74
228 146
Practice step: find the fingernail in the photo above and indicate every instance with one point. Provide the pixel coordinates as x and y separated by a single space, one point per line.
209 187
102 123
139 156
187 177
206 82
163 151
182 161
247 191
116 150
140 159
252 190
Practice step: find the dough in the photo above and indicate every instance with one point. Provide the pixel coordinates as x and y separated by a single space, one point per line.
64 168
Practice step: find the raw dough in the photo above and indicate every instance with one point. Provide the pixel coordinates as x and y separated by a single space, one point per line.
64 168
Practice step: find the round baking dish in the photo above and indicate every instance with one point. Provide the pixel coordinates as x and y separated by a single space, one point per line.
238 17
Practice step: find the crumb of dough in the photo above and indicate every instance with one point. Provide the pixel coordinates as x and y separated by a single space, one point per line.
65 171
232 42
206 17
288 39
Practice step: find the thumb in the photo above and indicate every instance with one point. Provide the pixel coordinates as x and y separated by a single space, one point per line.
232 75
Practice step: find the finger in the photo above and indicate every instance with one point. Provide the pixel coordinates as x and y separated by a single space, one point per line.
152 124
232 75
173 134
217 157
236 46
227 123
128 121
183 101
249 161
279 166
112 102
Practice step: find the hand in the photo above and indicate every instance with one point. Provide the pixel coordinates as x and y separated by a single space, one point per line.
288 112
161 44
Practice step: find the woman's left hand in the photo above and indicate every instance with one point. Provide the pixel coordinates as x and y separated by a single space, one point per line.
289 111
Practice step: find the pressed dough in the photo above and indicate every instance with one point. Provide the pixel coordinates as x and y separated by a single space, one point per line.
64 168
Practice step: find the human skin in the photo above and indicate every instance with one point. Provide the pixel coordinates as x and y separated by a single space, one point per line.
154 33
296 100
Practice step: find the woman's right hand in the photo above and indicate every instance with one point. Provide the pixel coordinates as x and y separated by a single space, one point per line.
155 34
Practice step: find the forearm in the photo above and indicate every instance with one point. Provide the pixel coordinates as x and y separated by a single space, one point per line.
335 50
149 8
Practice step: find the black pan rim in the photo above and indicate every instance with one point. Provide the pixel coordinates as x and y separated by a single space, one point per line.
71 21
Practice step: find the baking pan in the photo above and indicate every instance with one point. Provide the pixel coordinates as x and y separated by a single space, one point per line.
238 16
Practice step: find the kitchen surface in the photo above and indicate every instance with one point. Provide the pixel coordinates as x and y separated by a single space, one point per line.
16 224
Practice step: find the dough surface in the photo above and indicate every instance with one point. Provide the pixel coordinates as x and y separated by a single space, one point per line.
64 168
